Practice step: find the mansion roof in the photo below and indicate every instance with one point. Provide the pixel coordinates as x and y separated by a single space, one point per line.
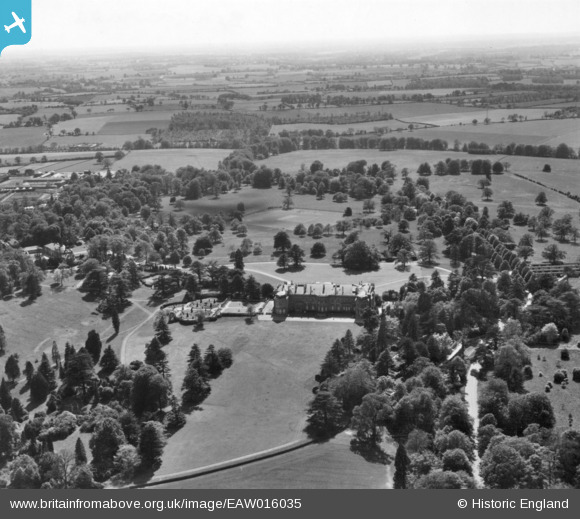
325 289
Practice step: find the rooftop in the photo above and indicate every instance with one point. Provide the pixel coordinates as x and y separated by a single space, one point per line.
325 289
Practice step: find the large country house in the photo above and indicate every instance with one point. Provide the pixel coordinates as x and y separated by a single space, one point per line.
323 299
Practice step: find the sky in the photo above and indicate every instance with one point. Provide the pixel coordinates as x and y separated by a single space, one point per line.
194 25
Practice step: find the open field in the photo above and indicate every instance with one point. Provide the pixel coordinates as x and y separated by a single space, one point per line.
451 117
107 141
564 176
121 123
564 400
551 132
8 118
174 159
325 465
371 126
62 315
291 162
257 404
54 156
21 137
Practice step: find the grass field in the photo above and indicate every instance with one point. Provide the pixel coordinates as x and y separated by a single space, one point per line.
505 187
551 132
120 123
564 175
174 159
448 118
55 156
108 141
319 466
522 195
21 137
291 162
61 315
564 400
8 118
369 127
260 402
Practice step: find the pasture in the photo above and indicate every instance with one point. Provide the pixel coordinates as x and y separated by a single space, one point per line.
291 162
453 117
371 126
564 399
64 315
174 159
102 140
8 118
325 465
505 187
117 124
522 194
257 404
21 137
549 131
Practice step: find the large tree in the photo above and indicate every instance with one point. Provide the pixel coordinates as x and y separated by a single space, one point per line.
359 256
94 345
401 466
12 369
104 444
195 387
296 253
325 415
151 443
282 241
79 371
370 417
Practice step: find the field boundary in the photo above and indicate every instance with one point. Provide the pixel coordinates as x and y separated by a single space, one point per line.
226 465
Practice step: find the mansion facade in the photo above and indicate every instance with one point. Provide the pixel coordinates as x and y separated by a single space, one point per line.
323 299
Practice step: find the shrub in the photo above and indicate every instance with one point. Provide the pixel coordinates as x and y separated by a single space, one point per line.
559 377
528 373
564 354
565 335
576 374
59 427
550 333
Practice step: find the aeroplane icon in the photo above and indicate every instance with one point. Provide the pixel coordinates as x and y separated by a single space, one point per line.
18 22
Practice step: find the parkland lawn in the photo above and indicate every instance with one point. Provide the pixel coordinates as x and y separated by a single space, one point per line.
257 404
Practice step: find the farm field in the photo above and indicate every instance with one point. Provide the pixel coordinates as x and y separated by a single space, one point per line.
339 128
122 123
55 156
8 118
21 137
174 159
104 140
564 400
257 404
291 162
325 465
564 175
551 132
450 117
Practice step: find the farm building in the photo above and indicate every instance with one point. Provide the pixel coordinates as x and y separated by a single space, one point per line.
322 299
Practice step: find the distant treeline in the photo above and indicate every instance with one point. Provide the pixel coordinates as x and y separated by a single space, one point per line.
562 151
